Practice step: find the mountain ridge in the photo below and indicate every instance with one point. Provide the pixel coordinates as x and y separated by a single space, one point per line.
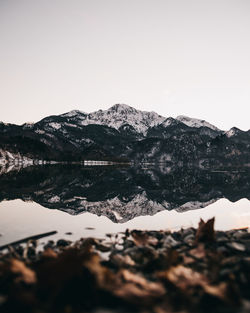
123 133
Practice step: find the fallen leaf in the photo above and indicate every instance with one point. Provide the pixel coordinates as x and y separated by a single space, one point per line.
49 253
198 253
121 260
24 273
133 287
141 238
205 231
187 280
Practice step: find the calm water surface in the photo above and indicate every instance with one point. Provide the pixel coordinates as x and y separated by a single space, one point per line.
95 201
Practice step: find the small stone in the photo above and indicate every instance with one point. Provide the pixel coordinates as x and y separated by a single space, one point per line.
222 249
170 242
236 246
19 250
119 247
222 239
176 235
49 244
241 235
31 252
128 244
225 272
63 243
189 238
188 231
245 236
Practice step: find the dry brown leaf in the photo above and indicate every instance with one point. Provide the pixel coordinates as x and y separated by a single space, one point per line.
133 293
103 275
186 280
122 261
199 252
182 277
136 288
54 272
142 282
49 253
205 231
24 273
141 238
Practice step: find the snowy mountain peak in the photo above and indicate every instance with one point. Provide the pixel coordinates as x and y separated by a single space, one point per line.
74 113
121 108
233 131
194 122
121 117
121 114
170 121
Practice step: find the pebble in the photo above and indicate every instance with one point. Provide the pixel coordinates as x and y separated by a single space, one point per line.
245 236
189 238
169 241
187 232
236 246
241 235
49 244
63 243
225 272
222 239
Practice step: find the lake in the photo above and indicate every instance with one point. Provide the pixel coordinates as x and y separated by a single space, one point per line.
95 200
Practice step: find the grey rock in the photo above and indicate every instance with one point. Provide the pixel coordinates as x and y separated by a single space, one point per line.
241 235
187 232
63 243
169 242
222 249
222 239
236 246
189 238
49 244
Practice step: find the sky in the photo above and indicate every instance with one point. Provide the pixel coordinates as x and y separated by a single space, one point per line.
175 57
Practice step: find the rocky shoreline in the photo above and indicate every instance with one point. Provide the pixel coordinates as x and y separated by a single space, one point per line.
191 270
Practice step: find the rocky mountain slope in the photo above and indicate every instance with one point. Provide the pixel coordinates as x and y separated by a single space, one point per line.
123 133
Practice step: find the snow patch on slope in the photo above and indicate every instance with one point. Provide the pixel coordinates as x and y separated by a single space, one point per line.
233 131
55 125
74 113
169 122
195 122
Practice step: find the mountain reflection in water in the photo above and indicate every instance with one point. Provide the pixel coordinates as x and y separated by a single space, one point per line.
122 194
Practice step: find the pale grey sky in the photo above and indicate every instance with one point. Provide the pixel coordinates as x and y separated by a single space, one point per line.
174 57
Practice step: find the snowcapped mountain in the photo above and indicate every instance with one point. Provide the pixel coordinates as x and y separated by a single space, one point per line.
194 122
123 118
118 116
234 131
122 133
